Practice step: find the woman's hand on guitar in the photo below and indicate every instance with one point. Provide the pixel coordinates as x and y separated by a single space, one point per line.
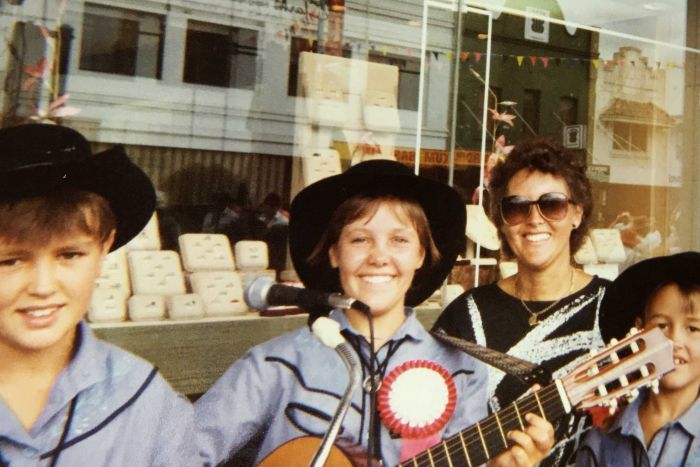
531 446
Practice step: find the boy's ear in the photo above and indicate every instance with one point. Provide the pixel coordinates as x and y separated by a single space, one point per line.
109 241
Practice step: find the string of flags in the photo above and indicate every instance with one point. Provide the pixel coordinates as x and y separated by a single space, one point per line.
543 61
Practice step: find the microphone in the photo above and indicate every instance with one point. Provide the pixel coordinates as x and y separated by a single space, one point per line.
263 293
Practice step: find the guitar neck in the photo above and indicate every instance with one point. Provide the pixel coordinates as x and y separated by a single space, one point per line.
488 438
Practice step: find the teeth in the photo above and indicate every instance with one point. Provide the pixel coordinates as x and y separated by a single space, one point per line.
376 279
41 313
678 361
537 237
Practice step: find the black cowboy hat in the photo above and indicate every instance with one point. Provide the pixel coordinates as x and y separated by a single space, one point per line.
625 299
36 159
313 207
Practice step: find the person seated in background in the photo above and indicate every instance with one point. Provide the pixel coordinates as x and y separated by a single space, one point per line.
656 429
386 237
66 398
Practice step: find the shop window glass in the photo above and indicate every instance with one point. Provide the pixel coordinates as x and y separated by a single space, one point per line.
297 46
220 56
122 42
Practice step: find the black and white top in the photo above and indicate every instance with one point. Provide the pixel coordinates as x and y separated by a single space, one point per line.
566 333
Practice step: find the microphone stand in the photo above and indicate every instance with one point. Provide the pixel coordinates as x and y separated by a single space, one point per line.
328 332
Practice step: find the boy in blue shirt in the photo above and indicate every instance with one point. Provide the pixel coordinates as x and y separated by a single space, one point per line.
656 429
67 398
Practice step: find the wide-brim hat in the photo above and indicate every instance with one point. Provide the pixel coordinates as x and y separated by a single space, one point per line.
625 299
313 207
37 159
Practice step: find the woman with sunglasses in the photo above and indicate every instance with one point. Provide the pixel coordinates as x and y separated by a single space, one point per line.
547 313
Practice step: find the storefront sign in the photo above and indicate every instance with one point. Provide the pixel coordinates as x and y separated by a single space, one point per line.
438 157
599 173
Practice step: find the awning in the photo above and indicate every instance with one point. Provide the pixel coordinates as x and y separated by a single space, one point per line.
644 113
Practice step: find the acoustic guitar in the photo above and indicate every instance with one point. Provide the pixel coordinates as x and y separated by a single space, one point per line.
638 360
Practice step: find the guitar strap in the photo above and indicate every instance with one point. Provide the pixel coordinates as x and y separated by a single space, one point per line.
524 371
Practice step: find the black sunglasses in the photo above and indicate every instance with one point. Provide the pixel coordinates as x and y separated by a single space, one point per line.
552 206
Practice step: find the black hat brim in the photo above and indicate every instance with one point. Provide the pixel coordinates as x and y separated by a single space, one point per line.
312 208
625 299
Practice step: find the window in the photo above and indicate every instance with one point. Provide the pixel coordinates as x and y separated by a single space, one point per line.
409 78
568 109
220 55
122 42
531 113
629 137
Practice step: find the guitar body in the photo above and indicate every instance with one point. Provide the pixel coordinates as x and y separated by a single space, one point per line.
300 451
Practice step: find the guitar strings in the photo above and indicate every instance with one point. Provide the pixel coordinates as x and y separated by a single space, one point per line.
548 395
487 430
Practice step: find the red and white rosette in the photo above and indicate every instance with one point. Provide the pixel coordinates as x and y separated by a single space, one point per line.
417 399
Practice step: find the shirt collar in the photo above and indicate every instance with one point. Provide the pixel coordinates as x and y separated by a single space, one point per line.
85 368
628 422
411 327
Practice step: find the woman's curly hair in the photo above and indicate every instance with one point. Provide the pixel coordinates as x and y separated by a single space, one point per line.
546 156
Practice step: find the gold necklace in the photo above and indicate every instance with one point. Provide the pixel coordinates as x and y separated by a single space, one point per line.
534 318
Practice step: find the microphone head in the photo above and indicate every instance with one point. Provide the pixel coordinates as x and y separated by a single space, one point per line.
327 331
255 294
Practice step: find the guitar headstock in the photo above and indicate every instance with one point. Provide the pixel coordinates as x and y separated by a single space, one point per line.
638 360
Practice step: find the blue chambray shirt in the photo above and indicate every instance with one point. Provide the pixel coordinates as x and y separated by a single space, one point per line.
125 415
676 444
290 387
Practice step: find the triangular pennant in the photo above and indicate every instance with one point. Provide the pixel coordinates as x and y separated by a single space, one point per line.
383 49
596 63
435 54
671 65
504 58
449 56
409 52
609 63
557 61
633 63
464 56
545 61
621 62
310 40
533 60
519 59
477 56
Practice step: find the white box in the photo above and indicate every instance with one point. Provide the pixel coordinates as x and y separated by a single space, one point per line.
206 252
608 245
586 254
185 306
146 307
221 291
251 255
106 306
156 272
322 163
115 274
148 238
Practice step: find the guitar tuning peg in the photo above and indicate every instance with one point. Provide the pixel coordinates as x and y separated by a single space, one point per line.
654 386
612 342
633 331
632 395
644 371
612 406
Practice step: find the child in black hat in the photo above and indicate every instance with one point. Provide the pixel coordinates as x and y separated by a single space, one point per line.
67 398
664 428
384 236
